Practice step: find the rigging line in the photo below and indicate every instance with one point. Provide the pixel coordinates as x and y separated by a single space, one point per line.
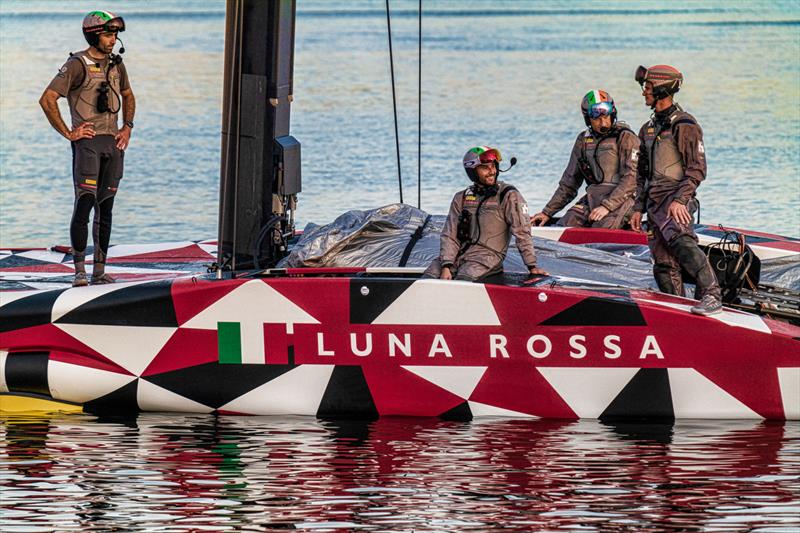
419 111
238 38
224 185
394 102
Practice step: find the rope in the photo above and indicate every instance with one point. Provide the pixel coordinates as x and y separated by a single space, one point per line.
419 111
239 31
394 102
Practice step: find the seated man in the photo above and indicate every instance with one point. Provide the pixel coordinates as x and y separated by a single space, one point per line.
605 155
478 228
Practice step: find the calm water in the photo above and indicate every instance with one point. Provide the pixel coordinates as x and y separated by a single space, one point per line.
180 473
508 73
504 73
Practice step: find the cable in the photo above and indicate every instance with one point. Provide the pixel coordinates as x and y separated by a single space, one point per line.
224 184
733 263
261 234
394 102
419 111
237 37
112 64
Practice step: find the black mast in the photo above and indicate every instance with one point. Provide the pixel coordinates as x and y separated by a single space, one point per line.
260 173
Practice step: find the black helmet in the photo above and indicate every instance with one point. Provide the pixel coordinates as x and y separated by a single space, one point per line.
666 80
97 22
596 103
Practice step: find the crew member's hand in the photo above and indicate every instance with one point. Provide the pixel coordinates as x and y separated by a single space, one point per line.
636 221
446 273
679 212
83 131
598 213
123 137
537 272
539 219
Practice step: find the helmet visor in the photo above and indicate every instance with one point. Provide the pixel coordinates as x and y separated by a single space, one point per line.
489 156
600 110
481 155
641 75
115 25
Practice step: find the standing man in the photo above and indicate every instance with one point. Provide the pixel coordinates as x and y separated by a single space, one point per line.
95 84
672 165
605 156
481 220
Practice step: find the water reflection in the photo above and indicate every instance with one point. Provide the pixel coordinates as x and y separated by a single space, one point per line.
185 473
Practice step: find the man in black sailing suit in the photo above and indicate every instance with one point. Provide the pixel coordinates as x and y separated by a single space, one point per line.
96 85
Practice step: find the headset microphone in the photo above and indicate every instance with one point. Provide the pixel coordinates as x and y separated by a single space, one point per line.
513 162
122 46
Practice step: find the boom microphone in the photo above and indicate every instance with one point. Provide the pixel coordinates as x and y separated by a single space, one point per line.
513 162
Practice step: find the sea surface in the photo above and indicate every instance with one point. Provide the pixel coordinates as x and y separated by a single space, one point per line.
505 73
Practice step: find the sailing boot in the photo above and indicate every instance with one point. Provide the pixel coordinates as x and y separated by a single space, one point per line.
694 261
102 279
99 276
709 305
80 272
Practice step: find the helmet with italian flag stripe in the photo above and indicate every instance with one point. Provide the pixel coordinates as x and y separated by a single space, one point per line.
480 155
597 103
97 22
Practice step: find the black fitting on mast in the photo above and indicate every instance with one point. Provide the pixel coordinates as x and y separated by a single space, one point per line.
260 171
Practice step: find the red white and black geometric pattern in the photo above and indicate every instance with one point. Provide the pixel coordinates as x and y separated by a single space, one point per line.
362 346
44 268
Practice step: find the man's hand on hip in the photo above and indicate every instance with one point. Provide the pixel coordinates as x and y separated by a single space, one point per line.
83 131
123 137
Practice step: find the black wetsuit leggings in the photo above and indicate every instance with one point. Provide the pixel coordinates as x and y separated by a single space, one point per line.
97 166
78 228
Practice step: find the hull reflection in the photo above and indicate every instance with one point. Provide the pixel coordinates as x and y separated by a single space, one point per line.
202 471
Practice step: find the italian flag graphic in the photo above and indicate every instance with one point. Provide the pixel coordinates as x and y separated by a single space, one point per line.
239 318
229 342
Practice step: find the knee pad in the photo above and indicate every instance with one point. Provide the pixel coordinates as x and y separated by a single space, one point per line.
104 212
688 254
106 205
83 206
664 274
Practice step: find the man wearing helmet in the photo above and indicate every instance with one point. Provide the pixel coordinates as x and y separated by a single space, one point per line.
96 86
672 165
480 222
605 157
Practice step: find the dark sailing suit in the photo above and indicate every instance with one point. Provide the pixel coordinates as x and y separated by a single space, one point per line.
478 250
608 163
672 165
97 163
